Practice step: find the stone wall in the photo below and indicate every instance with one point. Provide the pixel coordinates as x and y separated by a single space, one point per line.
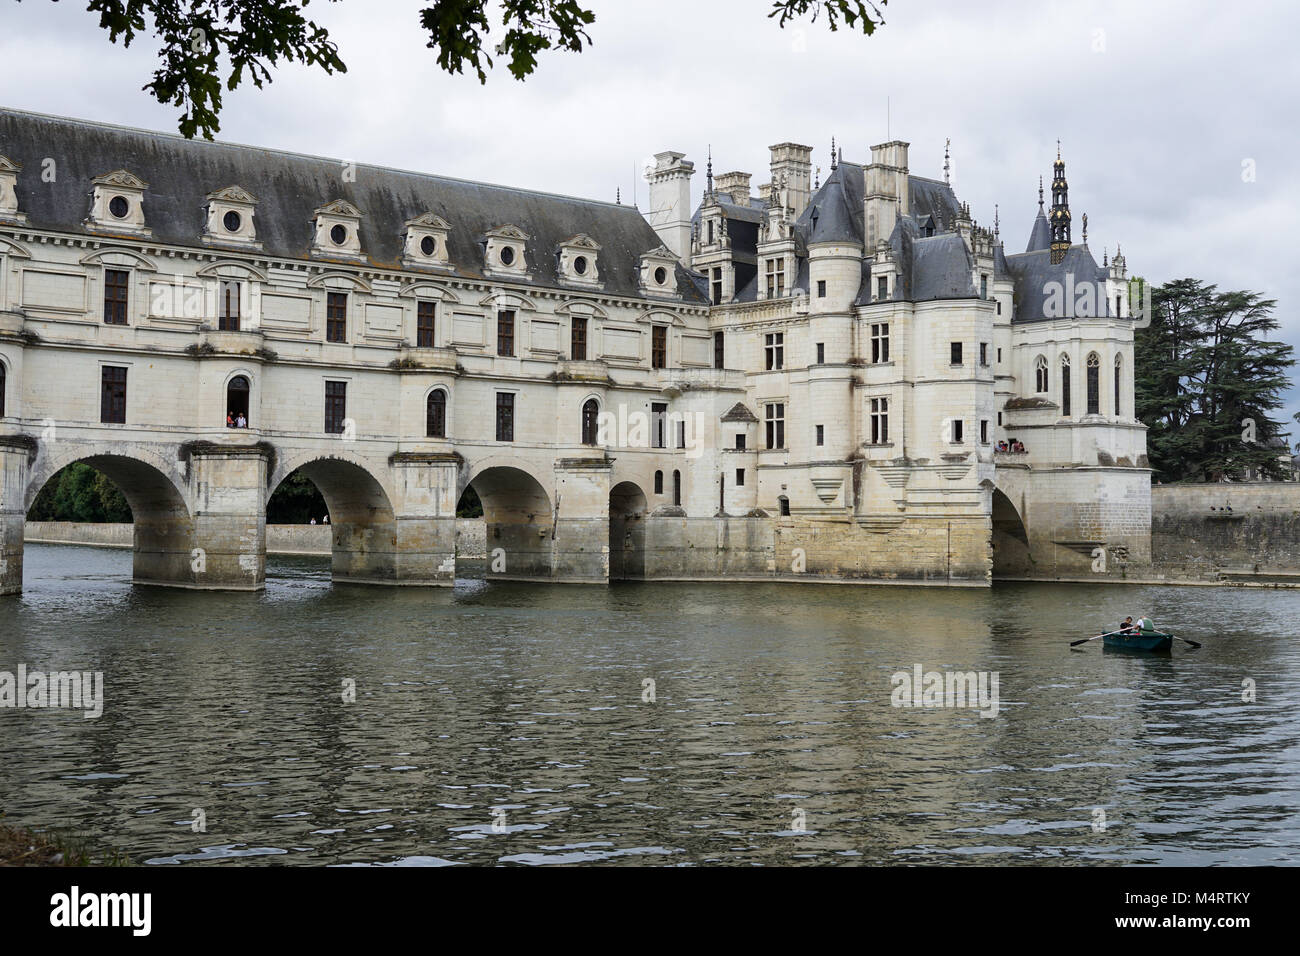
1258 541
280 538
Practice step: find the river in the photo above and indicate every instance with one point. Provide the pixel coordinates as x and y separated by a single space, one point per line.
517 724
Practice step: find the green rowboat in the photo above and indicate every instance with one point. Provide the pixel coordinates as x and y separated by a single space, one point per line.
1142 641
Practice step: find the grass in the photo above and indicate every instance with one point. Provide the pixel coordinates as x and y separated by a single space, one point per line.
19 847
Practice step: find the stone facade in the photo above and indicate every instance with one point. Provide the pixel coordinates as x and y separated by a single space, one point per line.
768 388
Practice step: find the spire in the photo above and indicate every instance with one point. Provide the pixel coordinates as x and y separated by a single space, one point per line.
1040 194
1060 217
618 195
708 189
817 179
834 163
1085 228
996 223
946 164
1105 256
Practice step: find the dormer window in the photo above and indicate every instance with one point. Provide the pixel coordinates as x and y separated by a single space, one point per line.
578 260
425 242
117 203
504 251
8 190
659 272
338 231
230 218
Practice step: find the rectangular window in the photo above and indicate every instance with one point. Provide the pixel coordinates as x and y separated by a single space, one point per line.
957 430
882 287
999 306
719 351
116 284
336 317
956 353
681 434
424 315
984 286
999 419
1065 390
659 346
578 339
740 442
505 416
880 421
821 353
506 332
112 395
821 288
775 278
336 407
717 286
658 424
776 425
774 350
821 434
984 353
999 355
984 431
228 307
880 342
740 477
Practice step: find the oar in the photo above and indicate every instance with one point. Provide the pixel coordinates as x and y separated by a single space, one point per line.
1087 639
1184 640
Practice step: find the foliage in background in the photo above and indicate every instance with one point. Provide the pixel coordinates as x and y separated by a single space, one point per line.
1208 378
296 501
80 493
207 44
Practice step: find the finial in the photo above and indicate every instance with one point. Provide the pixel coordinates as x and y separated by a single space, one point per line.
817 179
834 164
946 166
709 186
840 158
618 195
995 221
1085 229
1058 150
1105 257
1040 193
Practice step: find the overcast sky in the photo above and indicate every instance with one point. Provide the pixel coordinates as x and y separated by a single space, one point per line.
1158 104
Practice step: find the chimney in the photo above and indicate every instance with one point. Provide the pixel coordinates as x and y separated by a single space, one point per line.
792 166
670 201
886 191
734 185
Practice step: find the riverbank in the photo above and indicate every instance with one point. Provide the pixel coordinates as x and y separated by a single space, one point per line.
19 847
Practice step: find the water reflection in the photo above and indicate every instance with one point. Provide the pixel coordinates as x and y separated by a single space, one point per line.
506 724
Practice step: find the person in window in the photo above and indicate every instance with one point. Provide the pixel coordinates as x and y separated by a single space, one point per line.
241 422
313 520
230 419
325 520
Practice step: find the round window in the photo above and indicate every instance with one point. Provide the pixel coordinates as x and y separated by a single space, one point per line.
339 234
507 255
580 265
661 275
428 245
232 221
119 207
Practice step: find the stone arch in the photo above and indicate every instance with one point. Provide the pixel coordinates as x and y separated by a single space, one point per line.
163 542
1010 537
363 523
519 519
628 508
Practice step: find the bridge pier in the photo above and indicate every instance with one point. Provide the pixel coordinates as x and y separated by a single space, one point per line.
425 518
581 544
16 453
228 537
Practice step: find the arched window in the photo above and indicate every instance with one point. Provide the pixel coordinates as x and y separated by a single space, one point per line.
1119 375
237 402
435 414
677 488
590 415
1040 374
659 482
1065 385
2 389
784 506
1094 384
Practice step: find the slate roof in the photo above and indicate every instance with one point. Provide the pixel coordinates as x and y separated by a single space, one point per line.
1040 236
1033 272
834 213
290 186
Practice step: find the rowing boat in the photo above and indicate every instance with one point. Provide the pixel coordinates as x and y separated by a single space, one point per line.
1143 641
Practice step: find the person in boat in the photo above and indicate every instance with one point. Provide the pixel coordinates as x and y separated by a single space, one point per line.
1126 625
1144 625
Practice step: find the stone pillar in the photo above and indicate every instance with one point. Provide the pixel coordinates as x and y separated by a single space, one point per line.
228 488
425 509
581 553
16 454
